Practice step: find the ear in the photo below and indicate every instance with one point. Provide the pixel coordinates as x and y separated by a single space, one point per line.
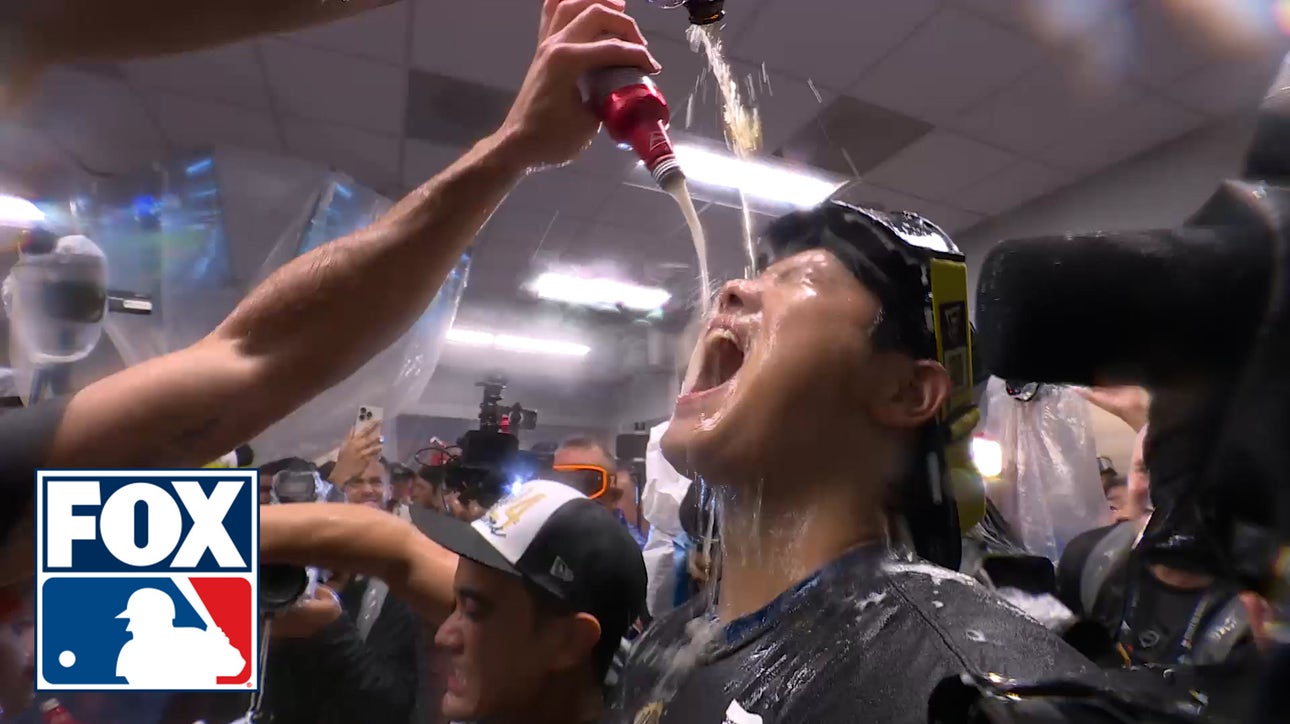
576 637
915 395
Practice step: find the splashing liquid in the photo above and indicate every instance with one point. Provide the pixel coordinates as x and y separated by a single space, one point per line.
679 191
741 121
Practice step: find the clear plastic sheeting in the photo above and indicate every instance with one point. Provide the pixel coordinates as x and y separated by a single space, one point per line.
395 378
1049 490
197 232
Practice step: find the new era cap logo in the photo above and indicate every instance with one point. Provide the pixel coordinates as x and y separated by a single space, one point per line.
147 580
561 570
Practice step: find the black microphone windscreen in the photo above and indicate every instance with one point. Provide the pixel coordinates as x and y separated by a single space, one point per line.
245 456
1131 307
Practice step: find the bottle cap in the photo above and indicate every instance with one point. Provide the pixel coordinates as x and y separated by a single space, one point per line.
667 171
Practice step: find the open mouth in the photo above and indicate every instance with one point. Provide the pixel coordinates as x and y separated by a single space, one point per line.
723 356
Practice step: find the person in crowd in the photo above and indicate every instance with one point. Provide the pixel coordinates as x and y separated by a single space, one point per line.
1116 489
369 486
401 477
262 362
1151 613
801 411
585 464
629 500
533 599
661 497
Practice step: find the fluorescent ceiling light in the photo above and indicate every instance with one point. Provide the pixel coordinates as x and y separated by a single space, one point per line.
513 343
762 179
598 292
17 211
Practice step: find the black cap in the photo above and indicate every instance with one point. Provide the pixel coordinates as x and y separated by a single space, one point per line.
557 539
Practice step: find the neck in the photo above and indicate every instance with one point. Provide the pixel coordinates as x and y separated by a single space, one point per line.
567 700
769 542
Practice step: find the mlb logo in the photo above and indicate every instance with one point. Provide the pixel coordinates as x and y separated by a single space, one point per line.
147 580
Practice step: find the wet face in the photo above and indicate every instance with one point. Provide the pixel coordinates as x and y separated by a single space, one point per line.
502 652
785 364
368 488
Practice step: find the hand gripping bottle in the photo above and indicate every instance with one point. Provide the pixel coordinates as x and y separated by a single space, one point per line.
634 114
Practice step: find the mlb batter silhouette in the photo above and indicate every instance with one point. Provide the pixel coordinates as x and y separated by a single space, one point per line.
163 657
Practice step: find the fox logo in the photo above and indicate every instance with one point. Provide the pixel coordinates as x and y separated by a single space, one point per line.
147 580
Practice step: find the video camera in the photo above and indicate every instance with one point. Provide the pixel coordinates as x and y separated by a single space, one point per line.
486 461
1198 314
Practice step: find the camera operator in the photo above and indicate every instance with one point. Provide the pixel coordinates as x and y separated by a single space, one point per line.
341 657
263 361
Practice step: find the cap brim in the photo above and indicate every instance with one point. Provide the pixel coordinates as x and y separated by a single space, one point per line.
460 538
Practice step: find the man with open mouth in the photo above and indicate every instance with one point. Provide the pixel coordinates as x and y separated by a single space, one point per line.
817 408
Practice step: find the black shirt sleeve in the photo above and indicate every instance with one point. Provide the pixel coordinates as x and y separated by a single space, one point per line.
25 437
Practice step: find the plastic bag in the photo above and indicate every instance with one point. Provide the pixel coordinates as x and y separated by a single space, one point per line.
1049 490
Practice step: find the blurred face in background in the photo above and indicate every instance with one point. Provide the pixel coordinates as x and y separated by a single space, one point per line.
424 494
1138 491
266 489
1117 500
368 488
17 647
586 481
401 489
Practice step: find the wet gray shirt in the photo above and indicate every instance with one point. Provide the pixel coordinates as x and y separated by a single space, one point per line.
866 638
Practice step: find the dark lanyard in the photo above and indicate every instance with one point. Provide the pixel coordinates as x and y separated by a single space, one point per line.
1204 608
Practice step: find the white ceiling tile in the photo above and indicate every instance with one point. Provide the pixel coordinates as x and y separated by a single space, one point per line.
828 41
937 164
1047 104
1134 127
190 122
371 158
604 159
423 160
947 217
117 136
929 77
1013 186
1051 21
527 231
230 73
326 86
380 34
1226 88
563 189
652 212
485 41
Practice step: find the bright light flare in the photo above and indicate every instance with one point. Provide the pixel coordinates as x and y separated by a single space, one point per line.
757 178
19 212
515 343
987 455
598 292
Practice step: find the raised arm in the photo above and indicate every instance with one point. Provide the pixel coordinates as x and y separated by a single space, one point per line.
280 347
357 539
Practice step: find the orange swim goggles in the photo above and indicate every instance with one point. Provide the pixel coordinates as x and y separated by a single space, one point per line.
592 480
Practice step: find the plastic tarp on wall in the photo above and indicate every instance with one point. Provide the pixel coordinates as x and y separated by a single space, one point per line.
1050 490
198 231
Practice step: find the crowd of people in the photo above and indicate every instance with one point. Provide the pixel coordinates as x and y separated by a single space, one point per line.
776 564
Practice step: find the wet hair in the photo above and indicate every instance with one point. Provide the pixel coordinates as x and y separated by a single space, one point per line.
883 265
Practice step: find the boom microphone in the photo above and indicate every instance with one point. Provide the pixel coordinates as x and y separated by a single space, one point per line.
1145 307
